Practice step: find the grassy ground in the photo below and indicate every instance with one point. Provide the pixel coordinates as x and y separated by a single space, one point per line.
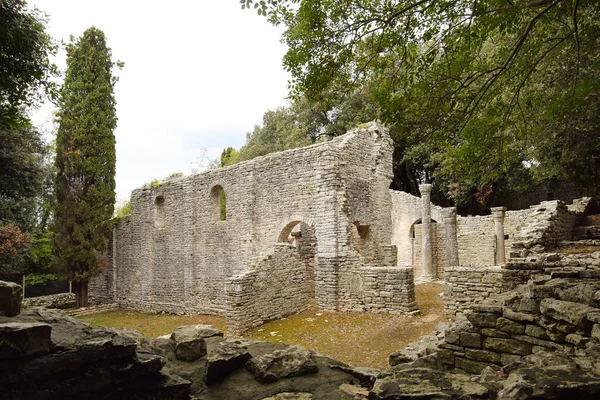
355 338
151 325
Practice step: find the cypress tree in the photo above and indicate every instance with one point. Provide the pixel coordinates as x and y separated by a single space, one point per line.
85 161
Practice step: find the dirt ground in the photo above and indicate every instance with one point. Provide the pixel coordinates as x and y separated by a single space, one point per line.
359 339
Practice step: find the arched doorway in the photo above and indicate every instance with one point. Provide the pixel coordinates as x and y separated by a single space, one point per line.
302 236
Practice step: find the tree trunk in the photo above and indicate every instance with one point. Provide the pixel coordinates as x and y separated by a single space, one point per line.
81 293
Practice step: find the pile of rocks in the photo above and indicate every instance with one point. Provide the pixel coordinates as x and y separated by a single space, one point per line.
45 354
541 340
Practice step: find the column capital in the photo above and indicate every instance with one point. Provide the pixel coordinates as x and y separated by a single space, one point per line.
425 188
498 212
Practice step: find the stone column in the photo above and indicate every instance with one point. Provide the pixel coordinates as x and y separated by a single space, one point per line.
426 232
498 213
451 237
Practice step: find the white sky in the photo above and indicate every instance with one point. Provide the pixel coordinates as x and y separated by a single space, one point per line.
198 74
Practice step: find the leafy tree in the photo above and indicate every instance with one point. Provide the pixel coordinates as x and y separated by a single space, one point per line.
483 93
25 69
25 76
22 174
229 156
85 161
13 247
279 132
303 123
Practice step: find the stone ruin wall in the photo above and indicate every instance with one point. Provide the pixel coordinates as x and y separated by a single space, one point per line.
534 234
476 238
528 234
174 254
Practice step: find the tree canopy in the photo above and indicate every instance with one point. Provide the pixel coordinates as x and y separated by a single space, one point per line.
85 160
25 68
480 93
26 74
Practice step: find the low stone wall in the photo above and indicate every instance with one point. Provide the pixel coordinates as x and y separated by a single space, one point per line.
60 301
378 289
281 284
466 287
547 314
519 271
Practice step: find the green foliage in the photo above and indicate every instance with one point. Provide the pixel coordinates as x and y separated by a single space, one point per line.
13 248
36 279
229 156
123 210
22 174
303 123
25 48
39 257
85 160
478 93
25 76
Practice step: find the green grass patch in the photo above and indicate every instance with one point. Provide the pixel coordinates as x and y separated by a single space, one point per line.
151 325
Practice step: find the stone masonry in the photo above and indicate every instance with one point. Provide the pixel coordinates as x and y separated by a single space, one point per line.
176 253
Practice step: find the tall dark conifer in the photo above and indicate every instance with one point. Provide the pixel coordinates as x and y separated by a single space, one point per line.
85 161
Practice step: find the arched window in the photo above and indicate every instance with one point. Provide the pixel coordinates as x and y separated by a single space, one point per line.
159 212
291 233
219 201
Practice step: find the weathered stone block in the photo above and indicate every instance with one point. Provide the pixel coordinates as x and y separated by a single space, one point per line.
293 361
11 296
451 336
24 339
539 342
483 355
446 356
510 346
452 347
576 339
488 308
535 331
189 343
507 325
474 367
517 316
573 313
225 357
494 333
596 332
594 316
468 339
483 320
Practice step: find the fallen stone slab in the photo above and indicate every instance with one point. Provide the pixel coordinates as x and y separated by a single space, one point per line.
550 383
573 313
293 361
425 383
24 339
224 357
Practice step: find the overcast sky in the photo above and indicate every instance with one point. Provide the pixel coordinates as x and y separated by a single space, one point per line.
198 74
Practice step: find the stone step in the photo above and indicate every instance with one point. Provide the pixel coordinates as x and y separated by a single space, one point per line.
587 232
79 312
583 242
